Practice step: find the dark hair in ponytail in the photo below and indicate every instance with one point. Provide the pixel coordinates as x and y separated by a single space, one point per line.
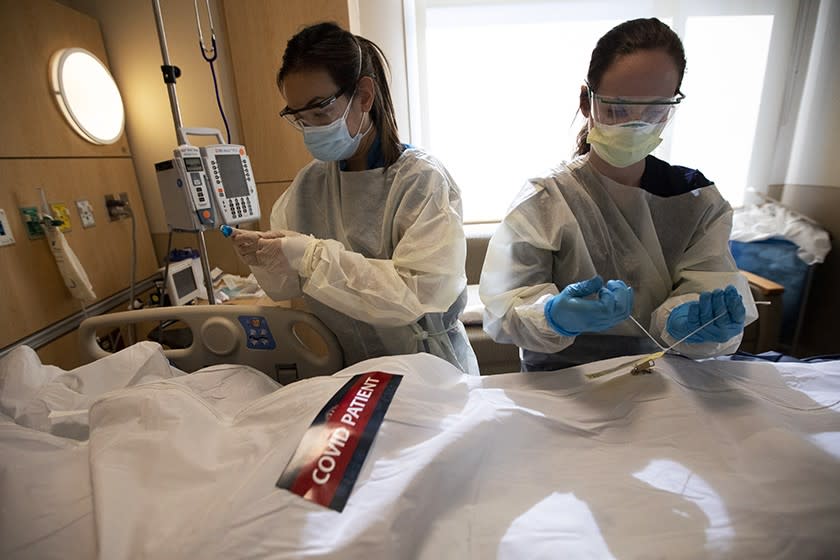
327 46
623 39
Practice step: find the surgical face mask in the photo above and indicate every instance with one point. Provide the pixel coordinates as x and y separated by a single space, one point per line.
332 142
622 145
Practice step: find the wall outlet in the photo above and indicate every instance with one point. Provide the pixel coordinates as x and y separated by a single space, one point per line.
6 237
61 213
34 229
86 213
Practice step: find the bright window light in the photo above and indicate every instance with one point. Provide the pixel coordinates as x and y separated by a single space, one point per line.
500 87
499 115
87 95
716 129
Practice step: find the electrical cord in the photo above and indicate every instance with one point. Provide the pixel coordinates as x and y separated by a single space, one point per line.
123 208
132 329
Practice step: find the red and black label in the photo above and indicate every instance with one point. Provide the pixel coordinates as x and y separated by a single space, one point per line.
328 459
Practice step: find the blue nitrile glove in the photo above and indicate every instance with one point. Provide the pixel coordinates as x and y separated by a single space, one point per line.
689 316
572 312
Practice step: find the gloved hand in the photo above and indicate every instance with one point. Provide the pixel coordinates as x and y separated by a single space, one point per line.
689 316
279 252
571 312
245 243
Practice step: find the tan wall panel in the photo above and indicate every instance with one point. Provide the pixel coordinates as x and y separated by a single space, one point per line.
269 193
27 269
258 31
66 351
62 352
33 126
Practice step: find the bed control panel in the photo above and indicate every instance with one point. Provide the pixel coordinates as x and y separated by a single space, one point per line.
257 332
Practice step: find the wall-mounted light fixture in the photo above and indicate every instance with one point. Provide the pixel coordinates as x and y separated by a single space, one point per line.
87 95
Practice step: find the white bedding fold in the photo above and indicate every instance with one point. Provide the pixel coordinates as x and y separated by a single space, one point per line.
708 459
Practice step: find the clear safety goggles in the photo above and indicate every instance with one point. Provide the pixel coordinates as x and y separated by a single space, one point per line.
317 113
617 110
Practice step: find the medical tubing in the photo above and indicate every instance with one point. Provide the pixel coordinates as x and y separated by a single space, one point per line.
210 55
218 98
613 369
132 328
167 258
745 388
161 324
205 267
644 330
698 329
198 24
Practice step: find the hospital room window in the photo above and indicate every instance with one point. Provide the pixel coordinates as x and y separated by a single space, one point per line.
497 86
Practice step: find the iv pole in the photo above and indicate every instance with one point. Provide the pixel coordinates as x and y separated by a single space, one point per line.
170 74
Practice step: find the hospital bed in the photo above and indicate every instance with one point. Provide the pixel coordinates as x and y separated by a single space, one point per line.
285 344
128 457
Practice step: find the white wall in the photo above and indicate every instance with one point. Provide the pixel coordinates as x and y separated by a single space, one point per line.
381 21
816 142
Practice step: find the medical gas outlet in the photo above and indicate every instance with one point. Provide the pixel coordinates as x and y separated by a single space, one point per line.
32 221
117 206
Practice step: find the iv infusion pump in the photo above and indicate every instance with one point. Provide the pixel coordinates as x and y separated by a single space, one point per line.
202 188
229 172
184 191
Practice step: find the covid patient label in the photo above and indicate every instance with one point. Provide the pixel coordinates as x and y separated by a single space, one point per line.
328 459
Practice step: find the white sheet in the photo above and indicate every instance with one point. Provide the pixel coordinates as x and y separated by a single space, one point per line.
473 313
714 459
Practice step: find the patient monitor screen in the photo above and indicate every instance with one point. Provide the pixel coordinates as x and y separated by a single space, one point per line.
232 175
184 282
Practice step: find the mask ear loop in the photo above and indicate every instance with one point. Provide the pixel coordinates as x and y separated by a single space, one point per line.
590 95
370 124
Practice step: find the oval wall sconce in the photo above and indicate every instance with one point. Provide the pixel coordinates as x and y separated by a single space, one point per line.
87 95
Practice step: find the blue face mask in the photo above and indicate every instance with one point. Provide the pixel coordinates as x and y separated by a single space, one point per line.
332 142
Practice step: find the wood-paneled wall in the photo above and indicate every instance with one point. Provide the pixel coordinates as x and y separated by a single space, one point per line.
30 32
258 31
38 148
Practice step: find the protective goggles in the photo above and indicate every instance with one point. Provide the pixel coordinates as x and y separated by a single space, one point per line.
317 113
617 110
